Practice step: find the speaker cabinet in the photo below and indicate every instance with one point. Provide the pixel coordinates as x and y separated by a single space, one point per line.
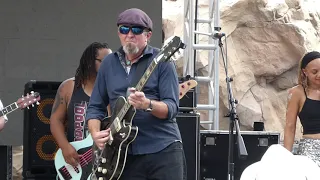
39 144
6 162
189 129
214 146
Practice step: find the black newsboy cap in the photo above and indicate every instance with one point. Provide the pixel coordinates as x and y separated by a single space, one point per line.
135 17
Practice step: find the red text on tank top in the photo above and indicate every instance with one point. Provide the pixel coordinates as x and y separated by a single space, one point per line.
79 120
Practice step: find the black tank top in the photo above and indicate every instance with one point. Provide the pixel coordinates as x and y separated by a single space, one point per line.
77 128
310 116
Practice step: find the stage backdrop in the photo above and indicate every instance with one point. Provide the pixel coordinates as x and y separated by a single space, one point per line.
44 40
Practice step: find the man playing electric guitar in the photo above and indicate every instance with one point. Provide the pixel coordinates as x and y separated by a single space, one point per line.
70 106
157 151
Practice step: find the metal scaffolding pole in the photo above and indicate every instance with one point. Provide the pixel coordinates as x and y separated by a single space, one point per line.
190 30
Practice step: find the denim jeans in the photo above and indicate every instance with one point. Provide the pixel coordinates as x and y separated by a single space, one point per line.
168 164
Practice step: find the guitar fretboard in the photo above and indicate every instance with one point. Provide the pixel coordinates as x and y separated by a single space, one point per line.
139 86
8 109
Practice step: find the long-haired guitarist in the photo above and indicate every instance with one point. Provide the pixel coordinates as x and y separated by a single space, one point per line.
3 119
157 151
72 100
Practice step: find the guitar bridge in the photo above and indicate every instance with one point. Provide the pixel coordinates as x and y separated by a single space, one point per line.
117 125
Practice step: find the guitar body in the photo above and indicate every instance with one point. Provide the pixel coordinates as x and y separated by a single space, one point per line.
113 159
83 170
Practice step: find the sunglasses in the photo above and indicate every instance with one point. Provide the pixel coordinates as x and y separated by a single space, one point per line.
136 30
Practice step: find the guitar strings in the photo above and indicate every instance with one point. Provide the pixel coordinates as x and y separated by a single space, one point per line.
85 159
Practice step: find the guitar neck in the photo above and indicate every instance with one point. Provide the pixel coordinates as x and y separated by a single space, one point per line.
8 109
139 87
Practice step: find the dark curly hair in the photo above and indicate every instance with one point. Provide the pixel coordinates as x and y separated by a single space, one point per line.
87 67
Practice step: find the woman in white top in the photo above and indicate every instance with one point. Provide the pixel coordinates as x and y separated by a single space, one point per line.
3 119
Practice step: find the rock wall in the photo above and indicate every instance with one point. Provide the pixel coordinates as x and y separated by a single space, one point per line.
265 41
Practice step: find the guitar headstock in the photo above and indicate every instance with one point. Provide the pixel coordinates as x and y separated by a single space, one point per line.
171 46
186 86
29 99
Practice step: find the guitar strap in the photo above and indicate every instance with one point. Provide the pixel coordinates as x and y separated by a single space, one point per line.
142 65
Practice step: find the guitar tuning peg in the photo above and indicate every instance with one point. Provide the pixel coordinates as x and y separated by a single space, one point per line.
32 105
28 107
37 103
32 92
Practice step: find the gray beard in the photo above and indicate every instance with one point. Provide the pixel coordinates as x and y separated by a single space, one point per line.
130 49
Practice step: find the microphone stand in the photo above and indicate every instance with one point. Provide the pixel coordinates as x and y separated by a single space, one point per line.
234 122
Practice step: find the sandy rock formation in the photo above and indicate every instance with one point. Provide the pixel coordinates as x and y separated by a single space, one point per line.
265 41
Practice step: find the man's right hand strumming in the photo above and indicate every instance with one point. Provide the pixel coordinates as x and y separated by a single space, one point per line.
101 137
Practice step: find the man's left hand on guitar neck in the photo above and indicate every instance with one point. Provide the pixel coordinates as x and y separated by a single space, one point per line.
2 123
140 101
3 119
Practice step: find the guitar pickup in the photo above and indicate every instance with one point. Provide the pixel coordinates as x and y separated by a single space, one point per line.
110 139
65 174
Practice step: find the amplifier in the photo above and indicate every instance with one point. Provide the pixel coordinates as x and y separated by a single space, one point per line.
6 162
214 146
39 146
189 129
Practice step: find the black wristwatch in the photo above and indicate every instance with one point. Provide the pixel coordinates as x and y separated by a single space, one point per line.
149 109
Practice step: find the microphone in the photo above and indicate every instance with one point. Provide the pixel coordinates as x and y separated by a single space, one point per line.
214 34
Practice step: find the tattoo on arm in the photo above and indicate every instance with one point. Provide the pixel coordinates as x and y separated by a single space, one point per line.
59 100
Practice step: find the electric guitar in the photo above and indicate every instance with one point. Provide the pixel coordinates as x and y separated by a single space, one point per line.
83 170
84 149
21 103
110 162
